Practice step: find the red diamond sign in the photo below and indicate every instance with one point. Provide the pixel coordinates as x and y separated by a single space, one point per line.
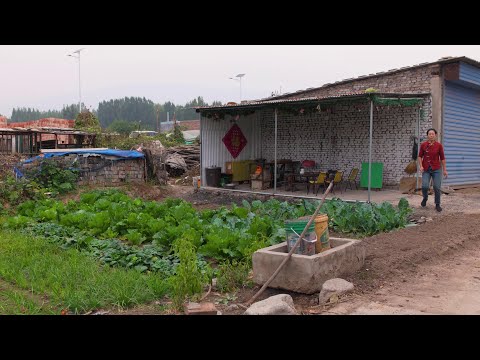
234 140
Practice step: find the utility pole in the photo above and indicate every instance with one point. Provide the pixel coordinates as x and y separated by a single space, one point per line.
157 110
79 78
239 79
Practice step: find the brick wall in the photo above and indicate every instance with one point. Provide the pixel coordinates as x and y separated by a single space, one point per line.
416 80
98 170
340 139
114 173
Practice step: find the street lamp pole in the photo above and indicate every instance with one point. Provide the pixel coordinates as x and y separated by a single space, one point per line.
79 78
239 76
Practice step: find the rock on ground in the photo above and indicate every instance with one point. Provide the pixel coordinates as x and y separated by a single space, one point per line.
334 287
281 304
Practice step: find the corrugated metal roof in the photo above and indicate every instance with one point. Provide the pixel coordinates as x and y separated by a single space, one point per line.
444 60
264 103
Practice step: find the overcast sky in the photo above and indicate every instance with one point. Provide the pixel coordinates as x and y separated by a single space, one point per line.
44 77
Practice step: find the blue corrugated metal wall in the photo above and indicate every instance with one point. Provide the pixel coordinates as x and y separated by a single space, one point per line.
469 74
461 129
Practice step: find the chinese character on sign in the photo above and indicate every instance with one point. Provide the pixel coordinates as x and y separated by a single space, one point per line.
234 140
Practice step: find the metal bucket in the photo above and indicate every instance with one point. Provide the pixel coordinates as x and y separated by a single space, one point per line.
293 231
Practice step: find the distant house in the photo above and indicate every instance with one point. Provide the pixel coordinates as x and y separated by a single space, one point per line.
29 137
48 123
188 124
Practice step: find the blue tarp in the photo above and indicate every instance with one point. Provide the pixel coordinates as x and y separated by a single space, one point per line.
121 154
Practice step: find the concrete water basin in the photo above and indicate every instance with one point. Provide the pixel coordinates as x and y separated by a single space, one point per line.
306 274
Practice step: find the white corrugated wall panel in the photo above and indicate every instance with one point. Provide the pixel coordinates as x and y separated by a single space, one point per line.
214 151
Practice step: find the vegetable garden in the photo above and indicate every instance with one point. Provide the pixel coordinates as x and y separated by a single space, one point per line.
179 245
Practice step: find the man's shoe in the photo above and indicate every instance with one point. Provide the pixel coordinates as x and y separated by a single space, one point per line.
438 208
424 202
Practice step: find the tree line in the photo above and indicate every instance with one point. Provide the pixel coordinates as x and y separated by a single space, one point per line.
138 111
27 114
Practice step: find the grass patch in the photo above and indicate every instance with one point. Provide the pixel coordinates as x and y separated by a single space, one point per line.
71 280
234 275
14 301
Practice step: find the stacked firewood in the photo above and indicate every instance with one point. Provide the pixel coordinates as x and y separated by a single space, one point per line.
177 161
182 159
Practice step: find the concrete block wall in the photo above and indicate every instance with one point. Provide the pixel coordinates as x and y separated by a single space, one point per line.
340 139
98 170
115 172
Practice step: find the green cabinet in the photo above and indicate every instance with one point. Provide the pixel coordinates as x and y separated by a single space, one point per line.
377 175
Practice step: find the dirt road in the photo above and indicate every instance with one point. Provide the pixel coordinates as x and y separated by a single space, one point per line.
451 286
433 268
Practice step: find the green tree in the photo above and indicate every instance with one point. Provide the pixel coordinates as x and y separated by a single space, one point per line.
122 127
87 121
134 109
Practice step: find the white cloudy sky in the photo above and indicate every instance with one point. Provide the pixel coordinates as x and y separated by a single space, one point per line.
44 77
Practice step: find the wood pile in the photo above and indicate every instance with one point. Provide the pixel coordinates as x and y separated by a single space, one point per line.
189 153
176 161
182 159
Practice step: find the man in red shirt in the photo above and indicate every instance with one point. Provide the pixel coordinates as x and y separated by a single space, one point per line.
430 155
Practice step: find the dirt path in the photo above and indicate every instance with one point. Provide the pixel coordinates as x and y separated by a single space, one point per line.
449 286
429 269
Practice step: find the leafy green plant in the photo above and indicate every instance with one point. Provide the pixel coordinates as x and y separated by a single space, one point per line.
51 175
87 121
365 219
233 275
188 280
14 192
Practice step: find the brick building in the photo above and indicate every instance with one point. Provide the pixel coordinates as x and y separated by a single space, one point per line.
330 124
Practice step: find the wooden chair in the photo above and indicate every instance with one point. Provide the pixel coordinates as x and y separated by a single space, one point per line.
352 179
337 180
319 182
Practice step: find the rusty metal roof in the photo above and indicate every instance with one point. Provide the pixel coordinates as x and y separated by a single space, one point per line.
306 100
43 130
